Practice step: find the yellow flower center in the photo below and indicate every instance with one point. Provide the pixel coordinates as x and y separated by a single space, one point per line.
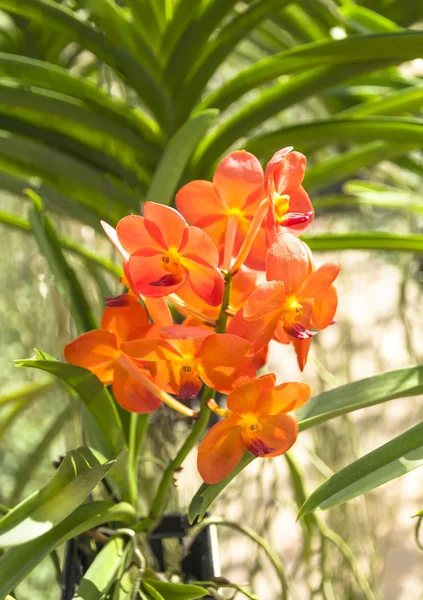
293 310
250 423
281 204
172 262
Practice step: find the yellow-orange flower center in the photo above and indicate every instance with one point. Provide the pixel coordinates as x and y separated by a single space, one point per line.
172 262
250 424
293 310
281 204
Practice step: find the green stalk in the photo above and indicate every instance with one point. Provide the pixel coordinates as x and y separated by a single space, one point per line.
159 502
138 429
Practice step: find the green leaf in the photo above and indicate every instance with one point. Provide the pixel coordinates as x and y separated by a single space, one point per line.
401 383
216 51
206 493
175 591
390 129
151 592
268 104
21 560
101 573
88 186
28 391
16 222
63 19
368 19
395 47
366 241
51 77
75 479
94 395
395 458
65 277
176 156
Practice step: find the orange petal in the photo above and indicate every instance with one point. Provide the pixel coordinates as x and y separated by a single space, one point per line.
281 335
285 171
276 435
96 351
207 282
268 298
272 165
133 235
184 332
159 311
324 308
284 398
131 395
197 200
320 280
224 349
199 247
245 398
220 451
167 375
113 237
243 285
256 258
258 333
238 179
302 348
168 221
147 276
288 261
127 322
260 358
225 379
151 350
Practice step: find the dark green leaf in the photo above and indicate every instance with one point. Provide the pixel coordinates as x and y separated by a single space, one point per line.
78 474
21 560
395 458
94 395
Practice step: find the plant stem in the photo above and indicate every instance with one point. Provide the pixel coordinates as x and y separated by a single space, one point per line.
223 317
138 428
159 502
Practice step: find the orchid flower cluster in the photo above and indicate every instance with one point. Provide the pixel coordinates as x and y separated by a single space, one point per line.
203 259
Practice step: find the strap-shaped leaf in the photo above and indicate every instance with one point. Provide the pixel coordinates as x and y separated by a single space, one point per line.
370 391
395 47
93 394
395 458
174 591
21 560
66 279
366 241
176 156
271 102
63 19
390 129
57 79
216 51
102 571
76 477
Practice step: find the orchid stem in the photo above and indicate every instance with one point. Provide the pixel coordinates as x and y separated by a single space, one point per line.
190 310
251 236
154 389
159 503
223 317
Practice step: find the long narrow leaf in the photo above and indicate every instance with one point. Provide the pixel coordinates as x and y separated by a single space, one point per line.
18 562
78 474
366 241
395 458
93 394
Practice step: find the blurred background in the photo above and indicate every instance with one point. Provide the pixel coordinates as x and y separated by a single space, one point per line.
360 127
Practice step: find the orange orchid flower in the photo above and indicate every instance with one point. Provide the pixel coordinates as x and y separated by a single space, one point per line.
296 299
225 207
165 253
156 307
99 352
187 356
290 209
260 421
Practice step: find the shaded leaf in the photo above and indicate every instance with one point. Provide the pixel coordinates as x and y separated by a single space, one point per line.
102 572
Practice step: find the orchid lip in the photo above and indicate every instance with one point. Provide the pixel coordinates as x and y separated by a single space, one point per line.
300 332
121 300
258 447
166 281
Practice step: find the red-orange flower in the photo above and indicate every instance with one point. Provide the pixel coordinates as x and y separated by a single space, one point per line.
291 209
260 422
228 204
187 356
99 352
165 253
296 299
